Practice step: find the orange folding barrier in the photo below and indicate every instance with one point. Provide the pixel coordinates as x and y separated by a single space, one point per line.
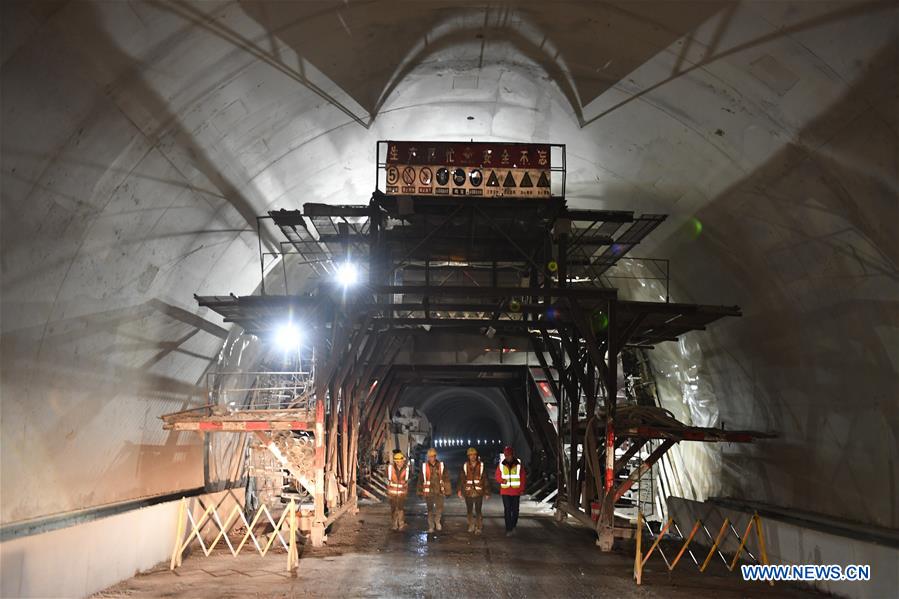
286 523
640 559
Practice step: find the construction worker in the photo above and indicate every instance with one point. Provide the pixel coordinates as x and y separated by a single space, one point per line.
397 489
510 476
473 488
434 485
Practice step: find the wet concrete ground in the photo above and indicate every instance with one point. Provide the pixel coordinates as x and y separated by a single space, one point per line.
364 559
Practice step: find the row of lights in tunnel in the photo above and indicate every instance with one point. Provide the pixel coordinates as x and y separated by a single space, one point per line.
465 442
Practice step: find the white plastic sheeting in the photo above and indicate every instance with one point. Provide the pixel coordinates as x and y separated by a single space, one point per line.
683 385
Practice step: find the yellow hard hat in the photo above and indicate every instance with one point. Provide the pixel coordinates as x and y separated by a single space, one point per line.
431 452
399 456
472 451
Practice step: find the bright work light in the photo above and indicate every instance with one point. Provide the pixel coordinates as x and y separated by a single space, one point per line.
347 274
288 337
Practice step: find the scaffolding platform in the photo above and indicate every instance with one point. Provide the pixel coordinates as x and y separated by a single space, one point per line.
211 418
250 401
692 433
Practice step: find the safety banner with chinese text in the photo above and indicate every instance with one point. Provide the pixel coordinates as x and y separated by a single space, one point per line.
473 169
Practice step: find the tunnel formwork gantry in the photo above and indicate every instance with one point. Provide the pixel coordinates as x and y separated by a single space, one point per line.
460 269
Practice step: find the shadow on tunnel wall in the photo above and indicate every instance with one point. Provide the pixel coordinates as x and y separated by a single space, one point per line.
368 48
151 116
807 245
82 394
80 407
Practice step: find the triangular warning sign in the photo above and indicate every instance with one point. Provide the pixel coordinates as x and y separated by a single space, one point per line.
544 180
492 180
526 181
510 180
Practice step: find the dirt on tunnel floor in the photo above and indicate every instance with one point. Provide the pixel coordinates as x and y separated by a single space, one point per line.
363 558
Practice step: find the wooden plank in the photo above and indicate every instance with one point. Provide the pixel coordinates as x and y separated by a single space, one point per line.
646 465
333 516
688 433
240 426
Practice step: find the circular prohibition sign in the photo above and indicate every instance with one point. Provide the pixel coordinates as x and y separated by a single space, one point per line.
408 175
392 175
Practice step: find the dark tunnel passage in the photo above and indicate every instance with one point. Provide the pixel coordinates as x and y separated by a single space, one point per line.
469 414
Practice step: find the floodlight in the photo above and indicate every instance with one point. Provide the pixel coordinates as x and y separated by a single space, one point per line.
347 274
288 337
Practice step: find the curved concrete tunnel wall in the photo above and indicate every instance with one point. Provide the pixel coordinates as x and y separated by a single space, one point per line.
139 140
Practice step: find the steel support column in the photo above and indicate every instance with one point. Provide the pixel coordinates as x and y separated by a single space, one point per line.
606 523
317 533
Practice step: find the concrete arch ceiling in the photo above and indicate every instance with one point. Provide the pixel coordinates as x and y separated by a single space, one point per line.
140 139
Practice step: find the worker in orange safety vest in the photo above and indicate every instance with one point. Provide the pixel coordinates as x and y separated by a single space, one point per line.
510 476
434 484
397 490
473 487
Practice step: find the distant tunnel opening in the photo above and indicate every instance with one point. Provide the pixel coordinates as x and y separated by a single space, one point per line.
468 416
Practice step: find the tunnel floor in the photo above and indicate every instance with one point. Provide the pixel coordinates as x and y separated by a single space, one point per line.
364 559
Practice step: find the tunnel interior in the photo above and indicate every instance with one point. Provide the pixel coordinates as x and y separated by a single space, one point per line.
145 145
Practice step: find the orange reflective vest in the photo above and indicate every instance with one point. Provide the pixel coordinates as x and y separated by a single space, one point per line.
473 484
426 477
397 480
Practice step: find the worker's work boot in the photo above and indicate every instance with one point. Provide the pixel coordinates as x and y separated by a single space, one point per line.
478 527
471 527
437 523
430 522
401 520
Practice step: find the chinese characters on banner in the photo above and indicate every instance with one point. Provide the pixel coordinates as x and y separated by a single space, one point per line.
473 169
